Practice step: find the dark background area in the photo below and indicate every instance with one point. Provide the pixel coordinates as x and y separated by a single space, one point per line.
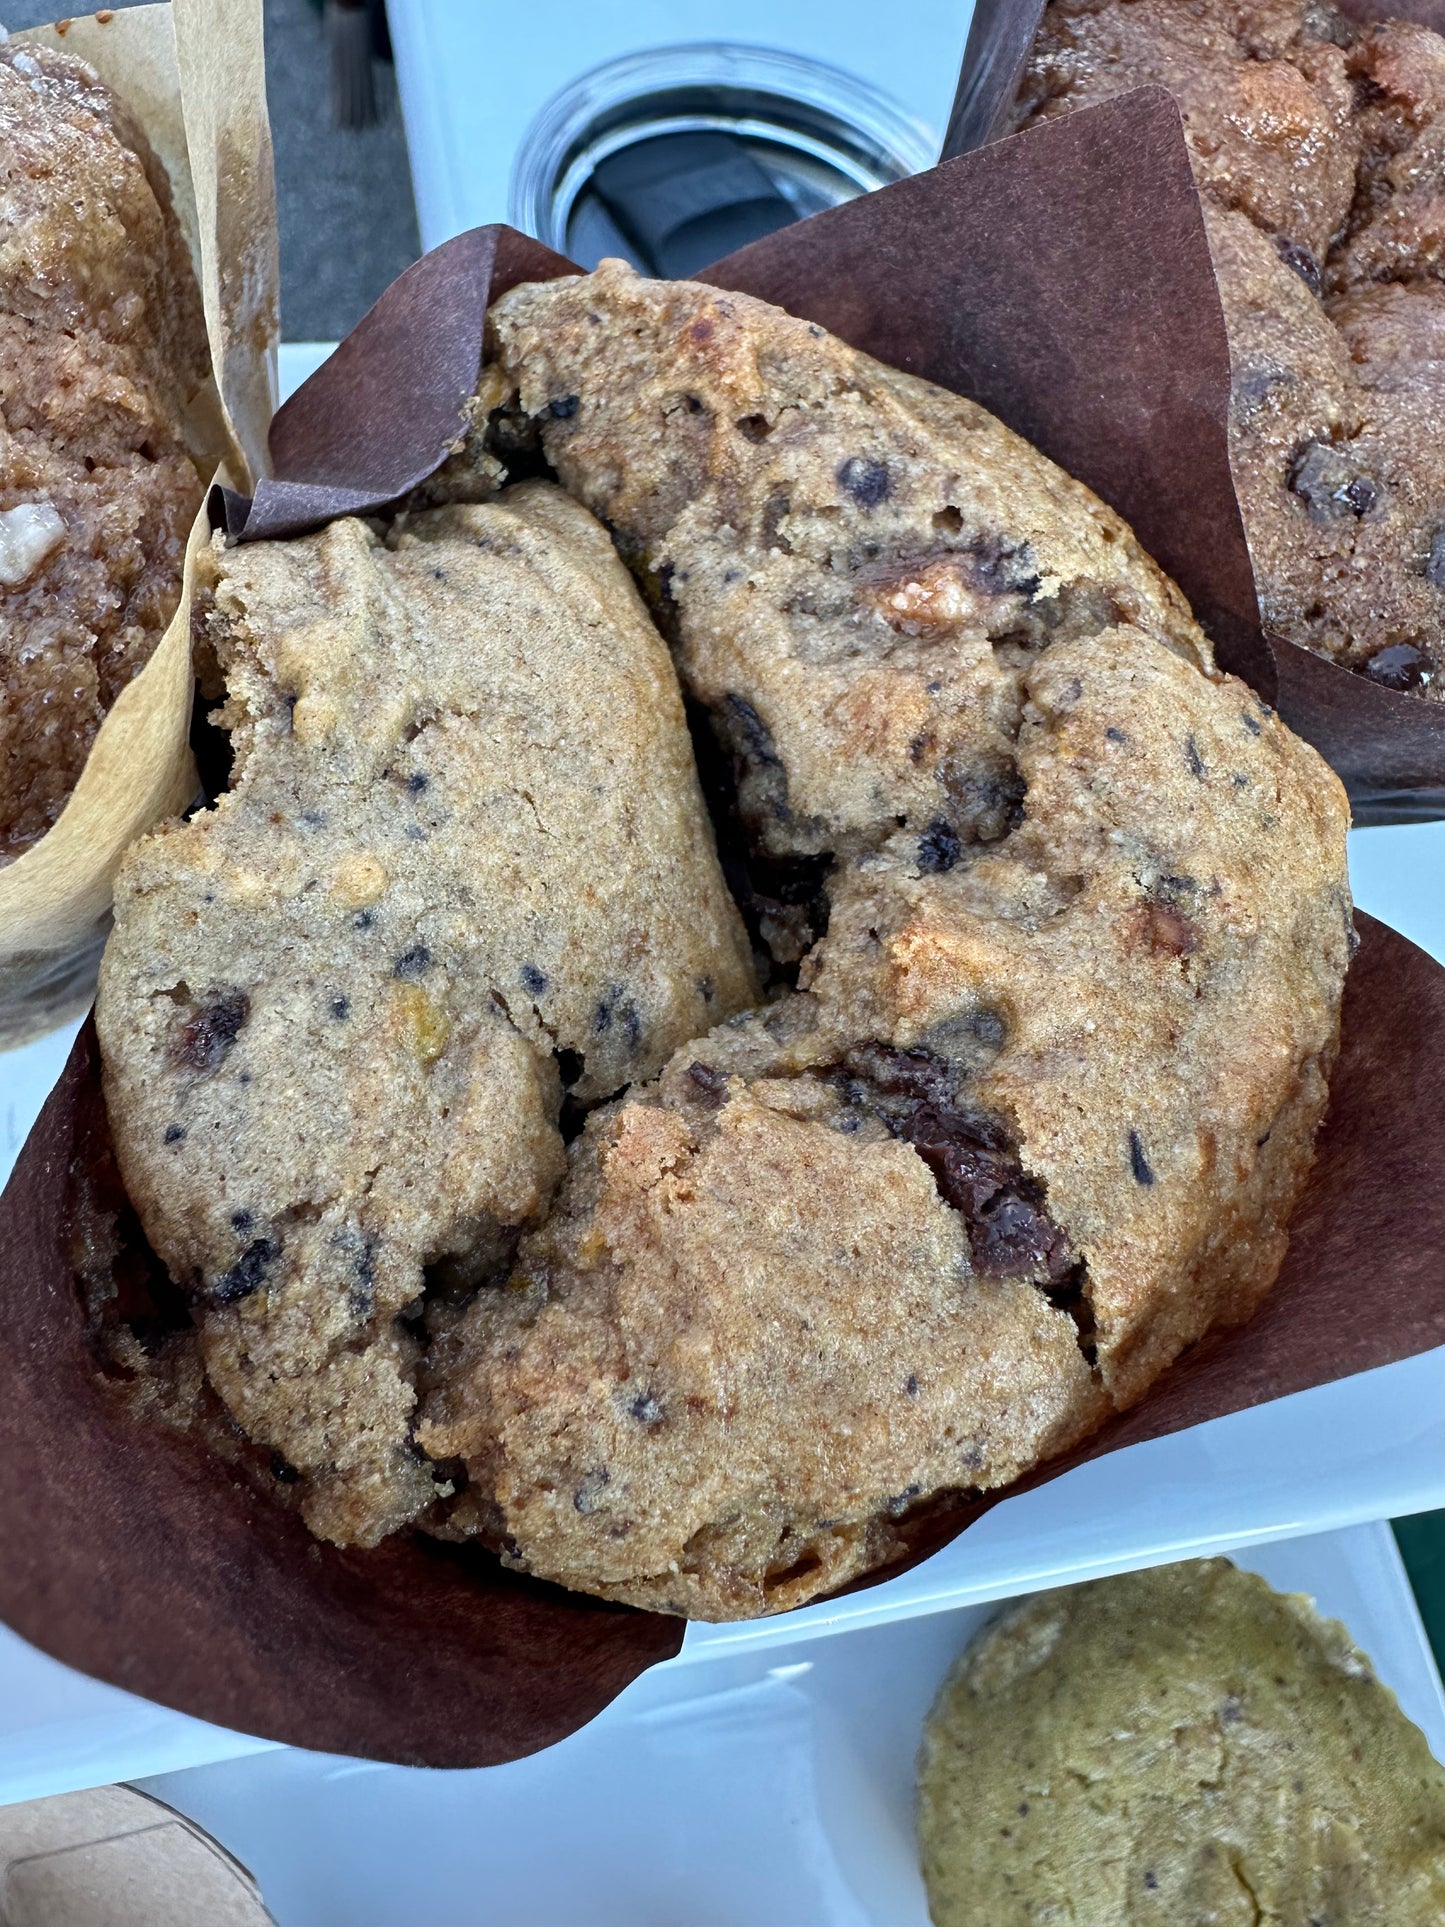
348 223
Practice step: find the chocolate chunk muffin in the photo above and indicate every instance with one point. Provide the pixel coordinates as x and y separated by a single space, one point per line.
102 352
1181 1745
1319 148
1037 1111
462 879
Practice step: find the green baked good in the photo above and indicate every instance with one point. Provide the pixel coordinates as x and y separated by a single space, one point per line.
1182 1746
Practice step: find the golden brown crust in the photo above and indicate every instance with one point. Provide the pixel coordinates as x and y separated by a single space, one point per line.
102 350
1320 150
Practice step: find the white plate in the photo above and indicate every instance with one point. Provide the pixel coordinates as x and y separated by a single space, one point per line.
723 1793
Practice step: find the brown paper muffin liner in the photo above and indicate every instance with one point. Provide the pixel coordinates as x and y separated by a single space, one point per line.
193 73
137 1554
1387 746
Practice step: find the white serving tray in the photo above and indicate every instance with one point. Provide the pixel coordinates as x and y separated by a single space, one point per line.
728 1792
1365 1448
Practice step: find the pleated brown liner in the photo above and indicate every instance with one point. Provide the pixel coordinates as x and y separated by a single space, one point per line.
193 73
1387 746
132 1551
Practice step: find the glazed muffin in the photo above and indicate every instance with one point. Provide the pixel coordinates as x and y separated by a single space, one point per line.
1319 147
102 354
1038 1109
1181 1745
462 880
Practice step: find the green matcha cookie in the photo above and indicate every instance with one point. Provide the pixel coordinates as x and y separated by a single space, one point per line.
1182 1747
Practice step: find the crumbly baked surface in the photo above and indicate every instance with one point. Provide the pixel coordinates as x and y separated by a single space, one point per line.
102 348
1319 146
463 869
1039 1107
1176 1746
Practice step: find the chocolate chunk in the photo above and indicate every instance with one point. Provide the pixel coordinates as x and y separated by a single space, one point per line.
1330 484
209 1034
417 782
563 407
1192 757
340 1007
1399 666
1138 1163
707 1084
748 734
361 1298
1115 735
910 1385
917 1075
990 805
1252 724
1003 567
1435 561
412 963
246 1275
1009 1231
363 920
534 981
173 1134
646 1409
900 1501
241 1221
866 479
1299 258
938 847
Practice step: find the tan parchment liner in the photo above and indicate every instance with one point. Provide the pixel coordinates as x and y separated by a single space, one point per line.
193 73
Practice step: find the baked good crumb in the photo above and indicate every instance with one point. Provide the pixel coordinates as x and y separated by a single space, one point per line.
1318 145
102 352
462 877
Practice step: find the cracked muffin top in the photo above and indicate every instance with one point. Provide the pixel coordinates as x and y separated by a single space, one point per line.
1036 1113
853 564
102 353
462 875
1181 1745
1319 147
